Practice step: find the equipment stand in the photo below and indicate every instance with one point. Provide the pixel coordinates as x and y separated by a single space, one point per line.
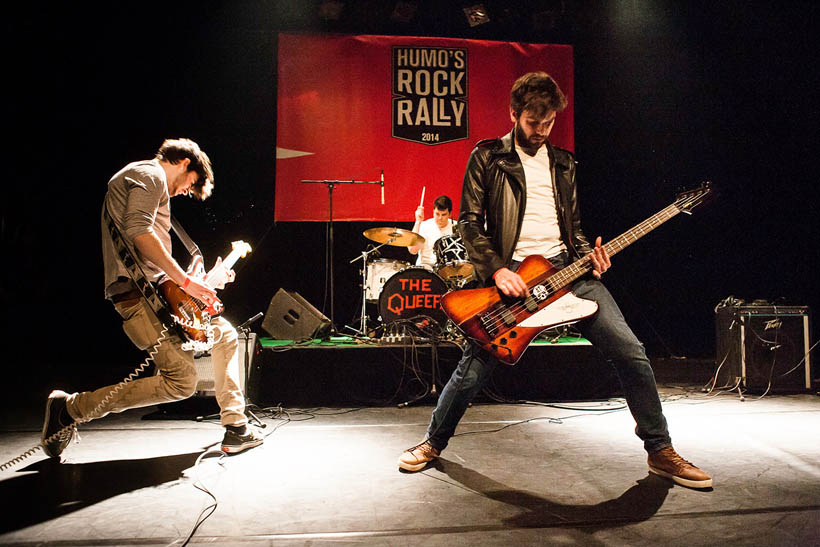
244 328
331 184
363 323
431 391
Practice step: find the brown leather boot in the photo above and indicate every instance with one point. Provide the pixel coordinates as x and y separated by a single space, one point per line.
416 457
667 463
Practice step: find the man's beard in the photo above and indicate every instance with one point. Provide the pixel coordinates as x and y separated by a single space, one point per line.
524 143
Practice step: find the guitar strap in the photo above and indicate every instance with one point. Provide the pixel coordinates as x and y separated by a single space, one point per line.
145 287
184 238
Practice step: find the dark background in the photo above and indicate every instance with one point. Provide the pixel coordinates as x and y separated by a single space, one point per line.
667 94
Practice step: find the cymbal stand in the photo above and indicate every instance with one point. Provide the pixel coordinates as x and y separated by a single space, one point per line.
363 323
331 184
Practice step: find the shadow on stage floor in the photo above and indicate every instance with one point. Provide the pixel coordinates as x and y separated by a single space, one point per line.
523 474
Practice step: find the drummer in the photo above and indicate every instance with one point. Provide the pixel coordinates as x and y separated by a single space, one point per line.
431 230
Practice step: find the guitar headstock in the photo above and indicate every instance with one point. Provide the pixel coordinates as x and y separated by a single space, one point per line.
241 248
688 200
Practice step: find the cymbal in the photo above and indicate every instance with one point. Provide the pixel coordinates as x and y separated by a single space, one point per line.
397 237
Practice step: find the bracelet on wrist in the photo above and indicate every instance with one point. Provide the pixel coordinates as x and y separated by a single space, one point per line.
187 282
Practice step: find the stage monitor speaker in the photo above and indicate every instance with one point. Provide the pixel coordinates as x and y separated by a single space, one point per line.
764 348
291 317
205 368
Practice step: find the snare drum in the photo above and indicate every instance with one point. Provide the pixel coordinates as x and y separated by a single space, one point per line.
451 260
411 293
379 270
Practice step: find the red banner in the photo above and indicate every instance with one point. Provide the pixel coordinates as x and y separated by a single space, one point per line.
352 107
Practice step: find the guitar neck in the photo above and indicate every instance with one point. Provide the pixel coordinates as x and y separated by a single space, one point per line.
217 277
583 265
232 258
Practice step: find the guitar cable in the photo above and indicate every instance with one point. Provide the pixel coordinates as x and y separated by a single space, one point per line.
96 410
152 295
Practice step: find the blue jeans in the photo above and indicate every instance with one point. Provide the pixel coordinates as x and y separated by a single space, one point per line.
608 332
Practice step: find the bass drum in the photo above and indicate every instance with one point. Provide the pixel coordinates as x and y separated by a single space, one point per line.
379 271
412 293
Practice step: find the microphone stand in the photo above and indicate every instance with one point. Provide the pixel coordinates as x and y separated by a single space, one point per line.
245 329
331 184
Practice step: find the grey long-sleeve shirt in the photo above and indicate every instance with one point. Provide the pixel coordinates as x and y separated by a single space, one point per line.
139 203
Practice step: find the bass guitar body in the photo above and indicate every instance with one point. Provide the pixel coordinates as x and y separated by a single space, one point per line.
505 326
193 316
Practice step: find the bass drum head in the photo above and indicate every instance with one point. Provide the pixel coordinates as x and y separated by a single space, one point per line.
412 293
379 271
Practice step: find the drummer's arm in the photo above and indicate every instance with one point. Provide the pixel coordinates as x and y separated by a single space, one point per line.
414 249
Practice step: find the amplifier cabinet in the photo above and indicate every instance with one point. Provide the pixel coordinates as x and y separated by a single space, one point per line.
206 382
764 348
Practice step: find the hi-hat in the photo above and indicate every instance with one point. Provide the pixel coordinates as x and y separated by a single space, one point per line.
397 237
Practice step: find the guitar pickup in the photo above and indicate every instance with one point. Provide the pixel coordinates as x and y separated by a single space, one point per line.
508 317
530 304
490 322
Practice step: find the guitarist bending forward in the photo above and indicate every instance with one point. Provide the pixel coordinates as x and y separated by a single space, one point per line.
519 199
138 202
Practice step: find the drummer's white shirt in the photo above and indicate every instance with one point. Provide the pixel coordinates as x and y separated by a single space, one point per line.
431 233
540 233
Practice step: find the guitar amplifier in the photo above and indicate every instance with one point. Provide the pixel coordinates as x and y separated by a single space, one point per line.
763 348
205 368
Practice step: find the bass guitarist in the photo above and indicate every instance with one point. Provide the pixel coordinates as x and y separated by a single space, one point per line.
138 205
519 198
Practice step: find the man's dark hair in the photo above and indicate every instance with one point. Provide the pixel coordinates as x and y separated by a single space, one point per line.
175 150
443 202
538 93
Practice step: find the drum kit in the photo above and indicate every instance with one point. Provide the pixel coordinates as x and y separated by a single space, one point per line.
404 291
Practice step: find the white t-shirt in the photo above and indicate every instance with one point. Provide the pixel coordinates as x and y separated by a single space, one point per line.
540 233
431 233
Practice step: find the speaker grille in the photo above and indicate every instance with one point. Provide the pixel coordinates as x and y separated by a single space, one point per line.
766 347
291 317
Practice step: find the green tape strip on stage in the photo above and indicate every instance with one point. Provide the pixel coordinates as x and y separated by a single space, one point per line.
335 341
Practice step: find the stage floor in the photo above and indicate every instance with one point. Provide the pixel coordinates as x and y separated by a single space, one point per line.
571 474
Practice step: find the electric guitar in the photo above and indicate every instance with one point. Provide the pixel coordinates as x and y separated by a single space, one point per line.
191 314
505 326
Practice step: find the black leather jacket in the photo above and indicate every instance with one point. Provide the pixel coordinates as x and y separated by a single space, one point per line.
494 198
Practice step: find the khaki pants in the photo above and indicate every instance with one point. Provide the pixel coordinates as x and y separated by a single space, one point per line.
176 375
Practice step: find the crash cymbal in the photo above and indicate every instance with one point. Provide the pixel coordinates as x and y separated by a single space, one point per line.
397 237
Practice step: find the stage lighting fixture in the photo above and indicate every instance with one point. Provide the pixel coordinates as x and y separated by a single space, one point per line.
403 12
476 15
331 10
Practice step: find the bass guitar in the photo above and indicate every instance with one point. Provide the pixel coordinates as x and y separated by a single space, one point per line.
505 326
191 314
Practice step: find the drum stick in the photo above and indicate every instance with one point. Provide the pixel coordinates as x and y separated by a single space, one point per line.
421 203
